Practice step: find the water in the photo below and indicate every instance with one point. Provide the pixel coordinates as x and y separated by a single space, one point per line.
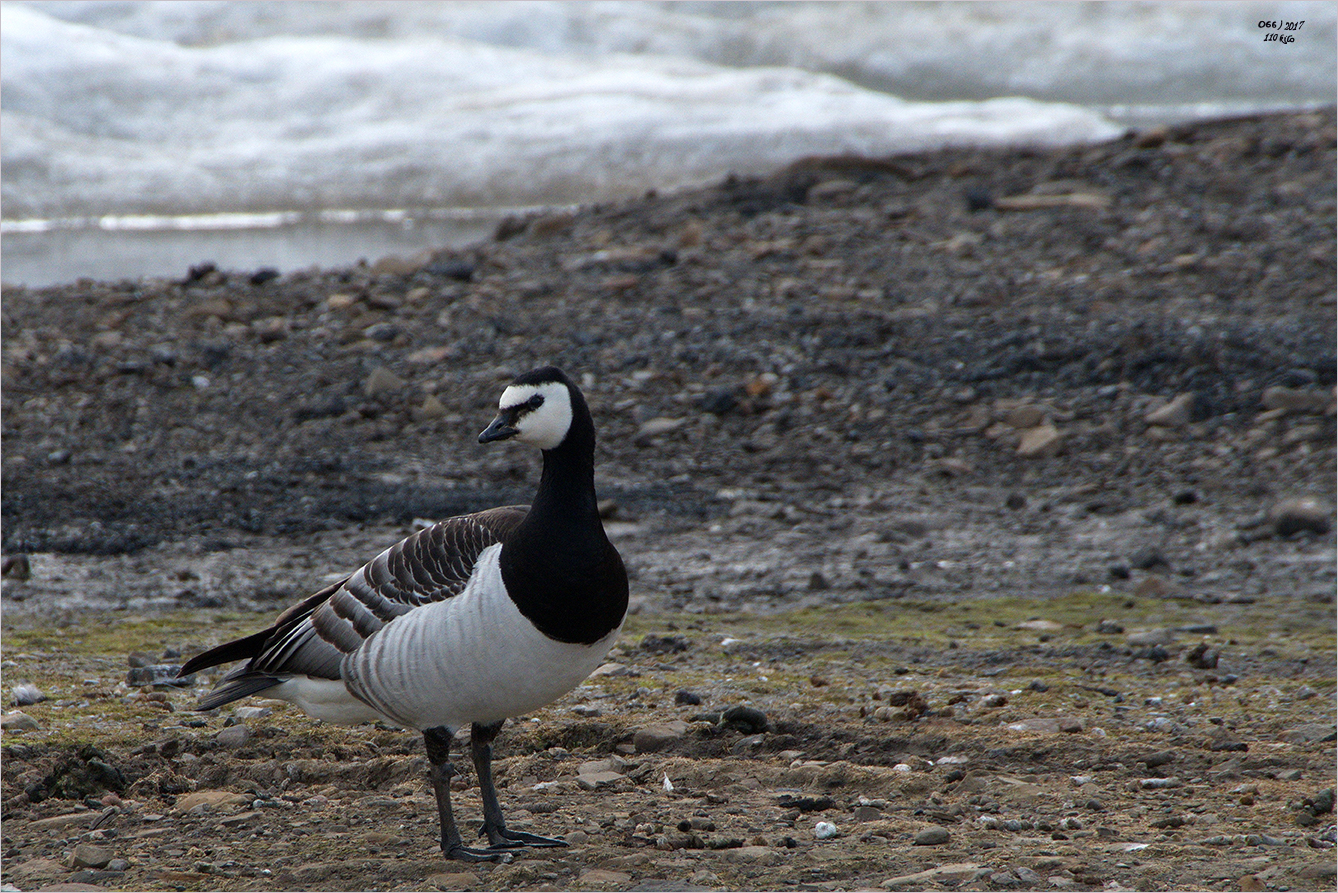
130 126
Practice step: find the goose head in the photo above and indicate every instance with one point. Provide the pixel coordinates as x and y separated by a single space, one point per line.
535 409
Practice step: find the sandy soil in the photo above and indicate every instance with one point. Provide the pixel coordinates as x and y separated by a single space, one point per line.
1000 482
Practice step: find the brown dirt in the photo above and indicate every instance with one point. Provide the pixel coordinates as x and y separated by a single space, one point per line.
889 425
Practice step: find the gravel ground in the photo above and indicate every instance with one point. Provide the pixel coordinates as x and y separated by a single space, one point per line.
1020 459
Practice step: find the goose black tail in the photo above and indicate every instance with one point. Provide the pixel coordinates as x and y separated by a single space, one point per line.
244 685
238 649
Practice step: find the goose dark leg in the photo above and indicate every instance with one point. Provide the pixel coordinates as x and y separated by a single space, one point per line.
438 742
499 837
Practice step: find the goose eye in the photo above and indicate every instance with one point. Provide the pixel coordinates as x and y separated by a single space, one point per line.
533 403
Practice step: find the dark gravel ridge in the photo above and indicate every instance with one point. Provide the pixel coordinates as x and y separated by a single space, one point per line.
837 317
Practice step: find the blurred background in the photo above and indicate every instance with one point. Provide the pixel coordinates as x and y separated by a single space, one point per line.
142 137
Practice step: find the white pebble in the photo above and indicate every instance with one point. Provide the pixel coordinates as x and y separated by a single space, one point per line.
901 767
668 785
824 831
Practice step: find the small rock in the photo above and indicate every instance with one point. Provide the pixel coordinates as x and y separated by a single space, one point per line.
1175 414
1109 628
658 426
87 855
1251 883
655 738
1151 637
1043 440
19 722
430 408
211 799
252 712
233 736
381 382
945 875
26 693
453 880
1202 656
825 831
159 674
1159 758
603 876
16 567
1310 733
595 780
1149 558
1035 724
685 697
934 835
1291 516
1040 625
762 855
1295 400
867 814
748 720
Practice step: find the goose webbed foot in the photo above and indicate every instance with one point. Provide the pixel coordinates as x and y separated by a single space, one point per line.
502 838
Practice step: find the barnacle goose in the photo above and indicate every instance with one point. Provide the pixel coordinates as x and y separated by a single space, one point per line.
475 619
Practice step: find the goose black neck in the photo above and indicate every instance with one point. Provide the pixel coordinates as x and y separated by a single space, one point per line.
566 496
559 568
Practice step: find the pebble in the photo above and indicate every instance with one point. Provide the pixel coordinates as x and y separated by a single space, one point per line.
825 831
1290 516
595 780
381 381
252 712
88 855
748 720
657 426
867 814
603 876
1043 440
1174 414
431 408
951 874
1202 656
233 736
932 836
159 674
683 696
453 880
1151 637
655 738
211 799
1295 400
19 722
26 694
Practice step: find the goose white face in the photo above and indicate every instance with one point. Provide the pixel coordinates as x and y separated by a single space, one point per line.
539 415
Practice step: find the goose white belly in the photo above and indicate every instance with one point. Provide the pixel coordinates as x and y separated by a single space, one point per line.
470 658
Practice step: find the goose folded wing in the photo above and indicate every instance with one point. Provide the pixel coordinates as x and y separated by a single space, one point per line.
312 637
